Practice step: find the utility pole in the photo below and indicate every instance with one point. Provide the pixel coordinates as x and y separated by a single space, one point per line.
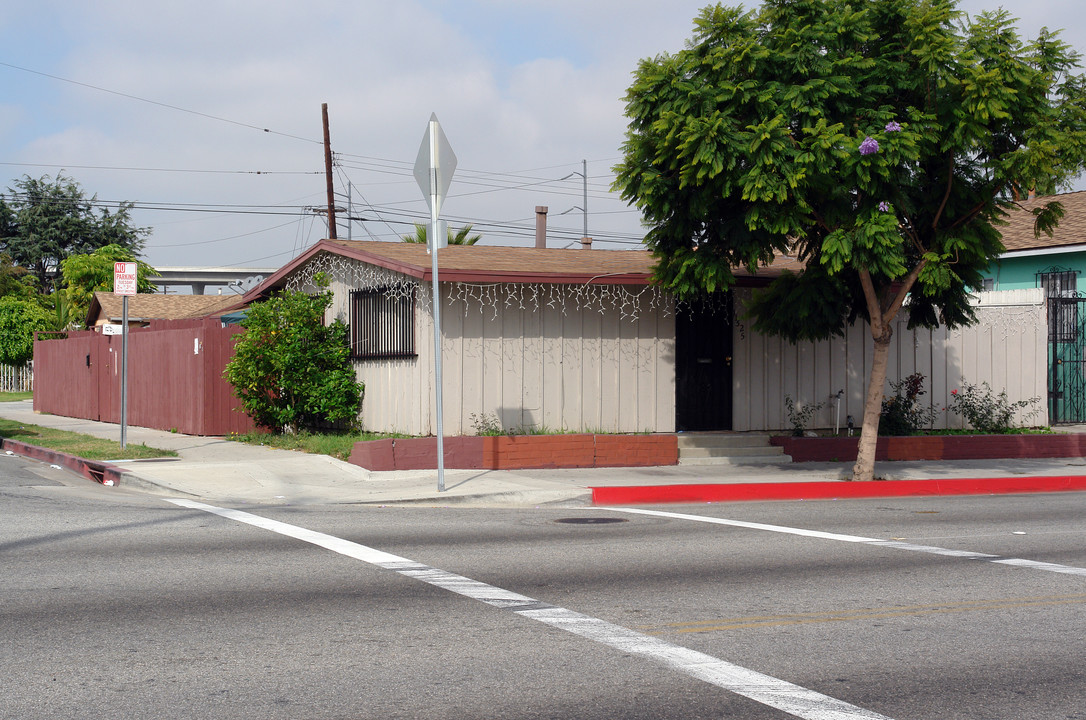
328 175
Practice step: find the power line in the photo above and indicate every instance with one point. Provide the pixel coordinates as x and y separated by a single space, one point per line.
159 104
224 239
175 170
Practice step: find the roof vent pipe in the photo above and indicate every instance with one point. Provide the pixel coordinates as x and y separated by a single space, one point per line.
541 226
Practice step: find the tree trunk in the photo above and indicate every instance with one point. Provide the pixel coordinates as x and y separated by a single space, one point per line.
864 469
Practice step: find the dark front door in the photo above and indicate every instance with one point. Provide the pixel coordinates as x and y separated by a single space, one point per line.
703 365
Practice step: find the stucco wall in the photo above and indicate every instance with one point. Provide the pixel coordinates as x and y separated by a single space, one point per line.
1019 272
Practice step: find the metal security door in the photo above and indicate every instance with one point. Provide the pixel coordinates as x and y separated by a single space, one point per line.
1066 360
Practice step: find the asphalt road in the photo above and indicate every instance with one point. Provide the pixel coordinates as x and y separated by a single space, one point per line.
116 604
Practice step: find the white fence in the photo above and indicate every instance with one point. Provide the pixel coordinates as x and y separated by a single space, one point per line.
17 378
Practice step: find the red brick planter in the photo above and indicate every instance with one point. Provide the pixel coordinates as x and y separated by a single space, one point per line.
519 452
936 447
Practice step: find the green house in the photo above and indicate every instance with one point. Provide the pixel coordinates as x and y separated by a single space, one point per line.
1056 265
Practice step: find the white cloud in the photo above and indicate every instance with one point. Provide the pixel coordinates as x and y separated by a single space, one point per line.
520 86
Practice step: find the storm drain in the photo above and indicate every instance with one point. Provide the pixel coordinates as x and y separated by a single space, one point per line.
591 520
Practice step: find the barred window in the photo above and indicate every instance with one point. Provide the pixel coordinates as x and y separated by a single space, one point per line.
382 325
1058 282
1060 286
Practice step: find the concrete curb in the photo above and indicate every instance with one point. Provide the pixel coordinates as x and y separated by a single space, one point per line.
507 498
132 481
660 494
98 471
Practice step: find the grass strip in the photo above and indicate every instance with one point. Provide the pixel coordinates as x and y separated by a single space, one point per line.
337 445
15 396
78 444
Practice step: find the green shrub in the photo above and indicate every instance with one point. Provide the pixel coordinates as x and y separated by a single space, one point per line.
987 412
290 370
18 320
902 413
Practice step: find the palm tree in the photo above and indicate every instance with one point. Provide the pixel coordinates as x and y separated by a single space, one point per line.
461 237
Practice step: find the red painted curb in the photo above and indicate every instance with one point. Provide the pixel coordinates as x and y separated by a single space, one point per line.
660 494
100 472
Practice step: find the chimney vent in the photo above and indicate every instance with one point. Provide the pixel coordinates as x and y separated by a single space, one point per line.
541 226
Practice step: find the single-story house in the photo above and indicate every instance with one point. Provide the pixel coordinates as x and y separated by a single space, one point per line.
106 307
1053 265
578 340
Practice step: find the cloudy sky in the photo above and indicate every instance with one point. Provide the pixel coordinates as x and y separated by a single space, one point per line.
208 114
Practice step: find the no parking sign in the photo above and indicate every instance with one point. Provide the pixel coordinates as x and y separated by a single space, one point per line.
124 278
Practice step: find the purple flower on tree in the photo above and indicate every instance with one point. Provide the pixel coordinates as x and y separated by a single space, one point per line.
869 146
884 206
893 127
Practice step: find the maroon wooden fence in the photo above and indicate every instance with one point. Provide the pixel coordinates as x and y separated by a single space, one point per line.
174 377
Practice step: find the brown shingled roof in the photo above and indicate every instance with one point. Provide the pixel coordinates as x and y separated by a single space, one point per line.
146 306
503 263
495 263
1018 235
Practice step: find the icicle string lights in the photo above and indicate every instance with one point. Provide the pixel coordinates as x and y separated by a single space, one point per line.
358 275
630 304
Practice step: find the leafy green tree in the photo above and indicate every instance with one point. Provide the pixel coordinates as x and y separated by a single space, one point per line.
85 274
462 236
64 316
881 143
45 220
19 319
15 280
292 371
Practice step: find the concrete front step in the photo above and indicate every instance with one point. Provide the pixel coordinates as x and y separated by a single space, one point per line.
729 449
702 440
742 460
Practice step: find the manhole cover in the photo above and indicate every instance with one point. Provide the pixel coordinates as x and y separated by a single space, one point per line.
591 520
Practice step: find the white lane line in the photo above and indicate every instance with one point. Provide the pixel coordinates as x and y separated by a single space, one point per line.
771 691
967 554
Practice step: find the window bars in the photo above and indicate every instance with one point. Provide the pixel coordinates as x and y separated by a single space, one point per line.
382 324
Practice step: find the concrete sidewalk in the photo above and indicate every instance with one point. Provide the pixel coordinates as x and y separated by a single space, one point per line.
222 471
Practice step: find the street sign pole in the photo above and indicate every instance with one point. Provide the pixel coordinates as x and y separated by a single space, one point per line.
124 372
435 212
124 284
434 168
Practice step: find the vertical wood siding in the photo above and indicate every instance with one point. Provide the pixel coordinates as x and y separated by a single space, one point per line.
576 370
1006 348
553 366
528 364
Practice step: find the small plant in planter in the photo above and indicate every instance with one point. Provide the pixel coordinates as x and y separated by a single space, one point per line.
486 424
987 412
902 412
799 417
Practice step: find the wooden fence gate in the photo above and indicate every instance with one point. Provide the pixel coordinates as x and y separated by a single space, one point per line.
174 377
